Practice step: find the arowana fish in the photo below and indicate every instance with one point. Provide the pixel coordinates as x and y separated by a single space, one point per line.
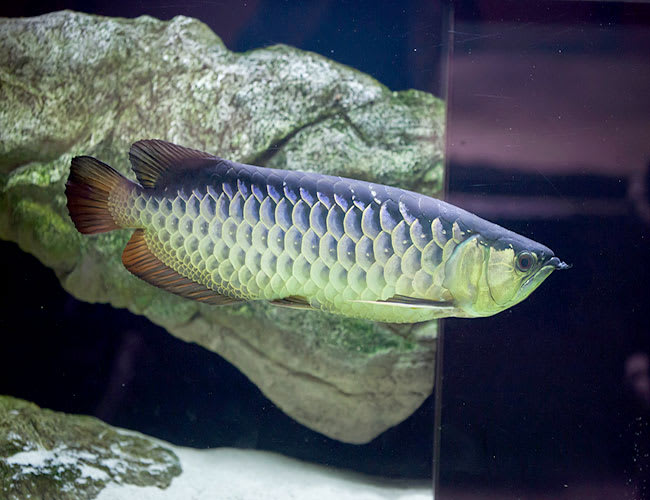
219 232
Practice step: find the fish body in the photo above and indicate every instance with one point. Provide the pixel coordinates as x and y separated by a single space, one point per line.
218 231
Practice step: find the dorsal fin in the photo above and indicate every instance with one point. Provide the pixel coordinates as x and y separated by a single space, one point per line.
157 163
139 260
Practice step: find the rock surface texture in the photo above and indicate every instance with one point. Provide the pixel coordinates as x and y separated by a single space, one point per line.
46 454
74 84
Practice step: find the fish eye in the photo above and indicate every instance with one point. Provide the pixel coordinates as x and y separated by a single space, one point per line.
525 260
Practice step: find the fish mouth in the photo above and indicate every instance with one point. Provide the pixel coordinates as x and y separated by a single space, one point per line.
542 273
558 264
536 279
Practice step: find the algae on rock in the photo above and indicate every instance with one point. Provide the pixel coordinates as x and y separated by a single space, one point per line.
74 84
46 454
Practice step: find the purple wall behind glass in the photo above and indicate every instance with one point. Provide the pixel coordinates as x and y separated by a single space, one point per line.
549 135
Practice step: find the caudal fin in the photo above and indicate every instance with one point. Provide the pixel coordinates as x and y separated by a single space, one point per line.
89 186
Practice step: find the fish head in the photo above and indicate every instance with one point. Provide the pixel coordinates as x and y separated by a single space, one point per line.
488 276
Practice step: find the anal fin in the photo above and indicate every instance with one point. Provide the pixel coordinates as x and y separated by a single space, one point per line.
139 260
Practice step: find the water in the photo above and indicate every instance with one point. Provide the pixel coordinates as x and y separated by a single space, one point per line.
548 135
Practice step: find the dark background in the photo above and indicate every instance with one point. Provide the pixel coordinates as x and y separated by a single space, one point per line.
548 135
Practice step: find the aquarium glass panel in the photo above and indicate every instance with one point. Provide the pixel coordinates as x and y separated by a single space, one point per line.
548 135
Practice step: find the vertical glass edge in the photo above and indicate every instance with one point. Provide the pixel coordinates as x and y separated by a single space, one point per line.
446 29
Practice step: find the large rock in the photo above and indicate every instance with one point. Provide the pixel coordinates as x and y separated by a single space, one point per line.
76 84
48 455
45 454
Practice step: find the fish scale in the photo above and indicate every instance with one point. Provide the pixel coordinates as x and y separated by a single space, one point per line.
217 231
243 239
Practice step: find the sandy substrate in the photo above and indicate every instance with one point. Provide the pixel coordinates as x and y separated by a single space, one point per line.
230 474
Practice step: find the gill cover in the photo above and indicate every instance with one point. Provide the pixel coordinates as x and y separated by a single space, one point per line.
503 278
463 271
484 278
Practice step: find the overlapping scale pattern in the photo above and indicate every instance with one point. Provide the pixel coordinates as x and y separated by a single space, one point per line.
253 238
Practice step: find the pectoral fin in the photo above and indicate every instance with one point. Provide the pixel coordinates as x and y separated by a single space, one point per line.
409 302
293 301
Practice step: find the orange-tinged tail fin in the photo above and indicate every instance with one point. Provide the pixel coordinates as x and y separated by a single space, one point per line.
88 189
